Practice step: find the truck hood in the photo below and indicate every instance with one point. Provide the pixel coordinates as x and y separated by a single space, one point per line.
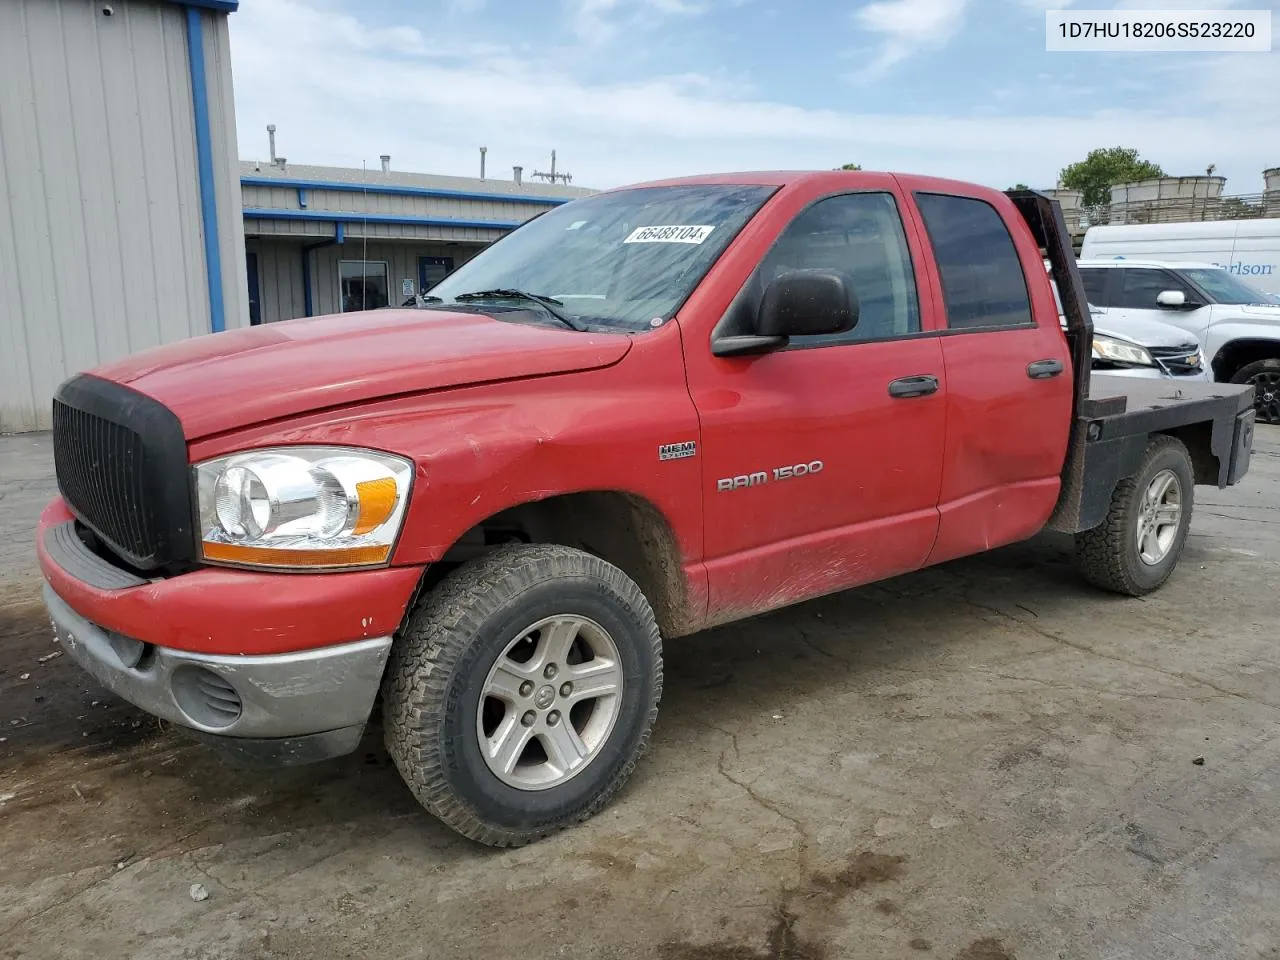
238 378
1148 333
1261 311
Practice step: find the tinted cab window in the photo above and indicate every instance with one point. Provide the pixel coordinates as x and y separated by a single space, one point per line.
982 280
1096 286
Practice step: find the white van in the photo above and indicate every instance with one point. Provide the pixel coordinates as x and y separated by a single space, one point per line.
1250 249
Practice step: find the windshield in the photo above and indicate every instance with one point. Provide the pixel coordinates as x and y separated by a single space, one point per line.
1223 287
617 260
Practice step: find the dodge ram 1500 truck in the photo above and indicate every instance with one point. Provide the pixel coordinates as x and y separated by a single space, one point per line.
644 413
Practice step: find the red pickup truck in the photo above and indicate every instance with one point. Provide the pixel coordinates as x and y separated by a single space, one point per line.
646 412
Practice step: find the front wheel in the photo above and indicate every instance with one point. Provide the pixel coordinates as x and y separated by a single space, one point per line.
1265 377
523 692
1136 548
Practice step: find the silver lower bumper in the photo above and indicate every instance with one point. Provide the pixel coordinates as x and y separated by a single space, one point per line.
288 695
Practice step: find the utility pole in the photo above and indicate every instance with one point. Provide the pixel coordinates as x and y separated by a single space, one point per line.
552 176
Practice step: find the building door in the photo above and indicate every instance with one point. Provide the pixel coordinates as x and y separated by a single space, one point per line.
431 270
255 306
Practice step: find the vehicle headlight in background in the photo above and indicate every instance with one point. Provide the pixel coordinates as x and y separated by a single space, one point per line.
1118 351
302 507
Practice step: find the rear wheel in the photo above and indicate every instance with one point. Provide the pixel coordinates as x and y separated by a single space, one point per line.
1136 548
1265 377
523 691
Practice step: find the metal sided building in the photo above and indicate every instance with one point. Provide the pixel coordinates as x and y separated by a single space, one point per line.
324 240
120 224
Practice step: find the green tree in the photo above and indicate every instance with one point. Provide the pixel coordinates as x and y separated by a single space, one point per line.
850 166
1102 169
1019 186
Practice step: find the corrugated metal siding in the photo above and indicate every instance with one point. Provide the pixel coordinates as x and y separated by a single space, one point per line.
371 201
100 249
280 271
280 295
226 165
314 230
401 260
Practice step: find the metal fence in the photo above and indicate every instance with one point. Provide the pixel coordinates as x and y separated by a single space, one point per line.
1182 209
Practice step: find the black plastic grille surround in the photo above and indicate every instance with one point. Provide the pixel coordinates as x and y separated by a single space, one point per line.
1177 358
121 463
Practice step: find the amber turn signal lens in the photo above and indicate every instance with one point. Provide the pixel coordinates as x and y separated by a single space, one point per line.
276 557
377 499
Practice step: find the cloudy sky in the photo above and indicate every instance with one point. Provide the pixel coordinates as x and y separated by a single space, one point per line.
628 90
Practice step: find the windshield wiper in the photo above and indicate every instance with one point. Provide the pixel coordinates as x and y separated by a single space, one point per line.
548 304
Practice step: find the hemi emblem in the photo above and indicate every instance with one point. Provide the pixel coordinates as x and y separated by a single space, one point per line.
678 451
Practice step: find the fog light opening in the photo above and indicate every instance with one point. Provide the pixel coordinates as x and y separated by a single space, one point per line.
205 698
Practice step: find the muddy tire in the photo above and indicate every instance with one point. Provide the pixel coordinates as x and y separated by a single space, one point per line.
522 692
1265 377
1135 549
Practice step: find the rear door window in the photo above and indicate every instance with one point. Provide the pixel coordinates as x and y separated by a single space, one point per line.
983 285
1096 287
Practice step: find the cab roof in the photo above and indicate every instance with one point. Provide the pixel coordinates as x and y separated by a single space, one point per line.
835 179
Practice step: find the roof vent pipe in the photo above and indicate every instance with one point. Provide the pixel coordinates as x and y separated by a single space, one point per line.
517 172
271 138
386 162
483 151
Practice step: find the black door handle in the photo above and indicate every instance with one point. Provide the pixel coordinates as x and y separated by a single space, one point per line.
1044 369
913 386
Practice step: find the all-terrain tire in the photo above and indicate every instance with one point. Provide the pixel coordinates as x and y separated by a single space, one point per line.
1265 377
1108 556
434 683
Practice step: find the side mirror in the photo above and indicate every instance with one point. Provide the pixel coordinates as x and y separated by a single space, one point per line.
1171 299
806 303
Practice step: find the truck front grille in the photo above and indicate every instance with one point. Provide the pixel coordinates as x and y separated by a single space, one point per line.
1181 360
121 464
102 471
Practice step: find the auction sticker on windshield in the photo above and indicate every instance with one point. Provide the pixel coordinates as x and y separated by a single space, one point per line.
669 234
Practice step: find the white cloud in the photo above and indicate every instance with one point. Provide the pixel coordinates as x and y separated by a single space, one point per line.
907 27
431 105
597 22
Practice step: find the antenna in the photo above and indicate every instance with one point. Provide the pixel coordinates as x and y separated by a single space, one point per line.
552 176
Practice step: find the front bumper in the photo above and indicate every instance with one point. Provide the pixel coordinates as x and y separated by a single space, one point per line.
1154 373
280 667
295 707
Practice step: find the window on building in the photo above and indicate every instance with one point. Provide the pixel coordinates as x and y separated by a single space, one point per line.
362 284
861 236
982 280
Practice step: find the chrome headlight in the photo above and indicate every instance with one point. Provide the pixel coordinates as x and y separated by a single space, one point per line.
1118 351
302 507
